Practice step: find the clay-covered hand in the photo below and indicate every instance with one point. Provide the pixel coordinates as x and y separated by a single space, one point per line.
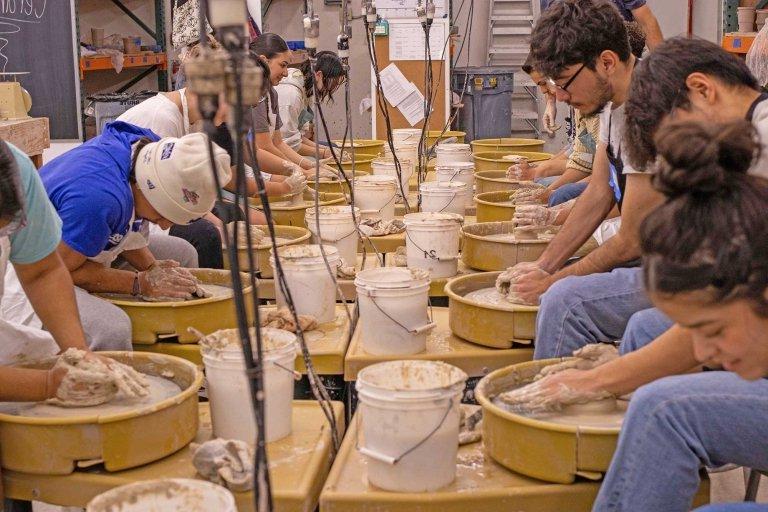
523 284
167 281
227 462
585 358
534 215
551 394
296 182
522 171
528 193
328 173
550 115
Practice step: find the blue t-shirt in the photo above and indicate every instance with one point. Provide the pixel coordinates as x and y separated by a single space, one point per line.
42 232
625 7
90 188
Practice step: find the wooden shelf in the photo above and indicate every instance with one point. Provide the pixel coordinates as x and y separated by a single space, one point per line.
139 60
737 42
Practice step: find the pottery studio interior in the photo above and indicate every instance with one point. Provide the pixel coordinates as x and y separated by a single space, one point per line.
383 256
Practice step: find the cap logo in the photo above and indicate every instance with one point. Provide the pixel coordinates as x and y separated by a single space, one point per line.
150 185
146 156
167 150
190 196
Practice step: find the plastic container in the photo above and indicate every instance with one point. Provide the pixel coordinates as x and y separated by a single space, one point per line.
458 172
229 390
405 151
432 242
409 413
446 196
394 304
375 196
168 495
307 276
412 135
746 19
487 97
337 228
387 167
453 153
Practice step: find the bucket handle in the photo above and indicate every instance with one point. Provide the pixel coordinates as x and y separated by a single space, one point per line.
296 375
430 255
416 330
388 459
323 239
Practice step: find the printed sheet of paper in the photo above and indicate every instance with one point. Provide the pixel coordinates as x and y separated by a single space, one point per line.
406 41
412 107
396 86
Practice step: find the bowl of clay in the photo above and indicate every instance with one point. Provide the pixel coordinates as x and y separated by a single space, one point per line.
493 246
154 321
285 235
494 207
363 147
510 145
47 440
494 181
338 186
555 447
362 163
490 160
477 314
289 210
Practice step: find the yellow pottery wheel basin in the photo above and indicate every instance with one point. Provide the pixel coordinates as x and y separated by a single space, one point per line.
434 135
153 320
294 235
336 187
546 450
285 213
361 147
481 251
494 207
494 160
363 163
505 144
54 446
494 181
487 324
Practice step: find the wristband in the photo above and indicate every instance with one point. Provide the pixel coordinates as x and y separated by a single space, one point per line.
136 291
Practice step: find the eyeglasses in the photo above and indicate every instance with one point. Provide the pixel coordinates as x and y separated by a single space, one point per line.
567 84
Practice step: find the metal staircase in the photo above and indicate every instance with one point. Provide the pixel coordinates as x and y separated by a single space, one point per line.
509 35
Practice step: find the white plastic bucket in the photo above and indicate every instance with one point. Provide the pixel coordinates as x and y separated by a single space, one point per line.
446 196
337 228
405 151
409 423
451 153
375 196
168 495
387 167
308 280
394 306
463 172
229 390
412 135
432 242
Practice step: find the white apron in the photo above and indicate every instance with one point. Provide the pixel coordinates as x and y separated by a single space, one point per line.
19 343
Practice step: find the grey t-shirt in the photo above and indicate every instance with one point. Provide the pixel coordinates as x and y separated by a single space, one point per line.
260 113
613 120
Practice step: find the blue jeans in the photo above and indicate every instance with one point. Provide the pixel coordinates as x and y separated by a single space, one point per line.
579 310
566 193
676 425
734 507
546 181
644 327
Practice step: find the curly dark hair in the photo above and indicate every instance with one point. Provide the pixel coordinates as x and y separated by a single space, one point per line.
658 86
712 232
576 32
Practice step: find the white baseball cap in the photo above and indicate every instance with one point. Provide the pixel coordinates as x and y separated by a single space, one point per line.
174 174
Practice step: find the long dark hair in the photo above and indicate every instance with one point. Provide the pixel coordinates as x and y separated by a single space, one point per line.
269 45
712 232
11 198
330 65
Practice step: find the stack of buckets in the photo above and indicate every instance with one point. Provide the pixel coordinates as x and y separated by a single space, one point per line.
409 410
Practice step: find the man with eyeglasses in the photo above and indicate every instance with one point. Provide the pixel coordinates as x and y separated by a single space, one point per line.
633 11
582 46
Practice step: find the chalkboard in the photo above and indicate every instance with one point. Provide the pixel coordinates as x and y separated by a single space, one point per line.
37 36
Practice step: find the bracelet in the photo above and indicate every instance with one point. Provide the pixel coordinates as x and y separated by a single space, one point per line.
136 291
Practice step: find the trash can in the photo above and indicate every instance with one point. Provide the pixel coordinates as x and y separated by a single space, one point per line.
107 107
487 110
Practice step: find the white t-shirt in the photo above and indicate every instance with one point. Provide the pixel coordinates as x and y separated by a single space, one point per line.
158 114
614 119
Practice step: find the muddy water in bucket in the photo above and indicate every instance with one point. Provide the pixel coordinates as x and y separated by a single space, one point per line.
445 196
452 153
166 495
375 196
394 304
409 414
432 242
229 389
308 280
337 228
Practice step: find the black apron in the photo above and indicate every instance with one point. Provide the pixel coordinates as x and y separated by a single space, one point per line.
616 168
751 112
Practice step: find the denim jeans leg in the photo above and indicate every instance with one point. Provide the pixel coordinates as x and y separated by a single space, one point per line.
676 425
566 193
579 310
644 327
